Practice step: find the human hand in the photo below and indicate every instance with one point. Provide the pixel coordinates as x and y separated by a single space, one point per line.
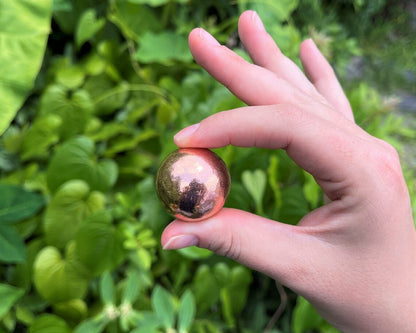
354 258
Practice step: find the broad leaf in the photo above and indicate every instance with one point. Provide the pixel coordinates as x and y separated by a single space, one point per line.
8 295
12 248
133 19
70 206
17 204
98 245
73 108
75 159
57 279
24 30
164 47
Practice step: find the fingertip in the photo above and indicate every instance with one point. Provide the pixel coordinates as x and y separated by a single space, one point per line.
199 35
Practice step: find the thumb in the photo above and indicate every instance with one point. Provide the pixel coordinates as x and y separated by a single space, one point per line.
281 251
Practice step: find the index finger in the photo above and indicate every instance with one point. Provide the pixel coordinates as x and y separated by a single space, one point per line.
332 152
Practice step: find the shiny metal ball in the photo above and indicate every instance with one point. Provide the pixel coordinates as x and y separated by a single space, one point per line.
193 183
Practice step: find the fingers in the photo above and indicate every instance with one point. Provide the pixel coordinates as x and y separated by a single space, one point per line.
265 53
327 150
251 240
321 74
253 84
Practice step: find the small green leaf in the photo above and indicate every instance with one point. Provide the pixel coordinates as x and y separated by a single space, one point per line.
255 184
107 289
17 204
9 296
163 47
133 19
12 248
311 190
163 306
88 26
49 323
186 313
43 133
305 316
132 288
93 325
195 253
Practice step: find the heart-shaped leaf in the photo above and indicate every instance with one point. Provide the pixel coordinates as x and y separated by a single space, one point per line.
76 160
56 279
70 205
98 246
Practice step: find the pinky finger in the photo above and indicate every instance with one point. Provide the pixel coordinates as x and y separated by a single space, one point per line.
322 75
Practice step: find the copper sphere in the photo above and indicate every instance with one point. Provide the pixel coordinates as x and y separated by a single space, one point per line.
193 183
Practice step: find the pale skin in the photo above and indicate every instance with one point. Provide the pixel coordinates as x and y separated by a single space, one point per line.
354 258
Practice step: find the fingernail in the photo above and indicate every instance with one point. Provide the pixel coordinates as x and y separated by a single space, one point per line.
184 135
257 21
207 37
179 242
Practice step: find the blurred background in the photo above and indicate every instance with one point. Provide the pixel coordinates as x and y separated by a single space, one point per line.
92 93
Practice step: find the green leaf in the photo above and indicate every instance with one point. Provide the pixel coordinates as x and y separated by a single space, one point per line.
74 108
270 11
107 292
93 325
75 159
88 26
152 212
70 206
17 204
255 184
12 248
195 253
132 288
205 288
43 133
49 323
163 306
98 246
57 279
9 295
305 316
186 313
133 19
24 30
163 47
72 311
311 190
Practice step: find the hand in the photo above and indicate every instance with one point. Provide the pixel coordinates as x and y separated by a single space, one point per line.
354 259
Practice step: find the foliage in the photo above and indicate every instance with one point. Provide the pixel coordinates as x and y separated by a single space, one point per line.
80 222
